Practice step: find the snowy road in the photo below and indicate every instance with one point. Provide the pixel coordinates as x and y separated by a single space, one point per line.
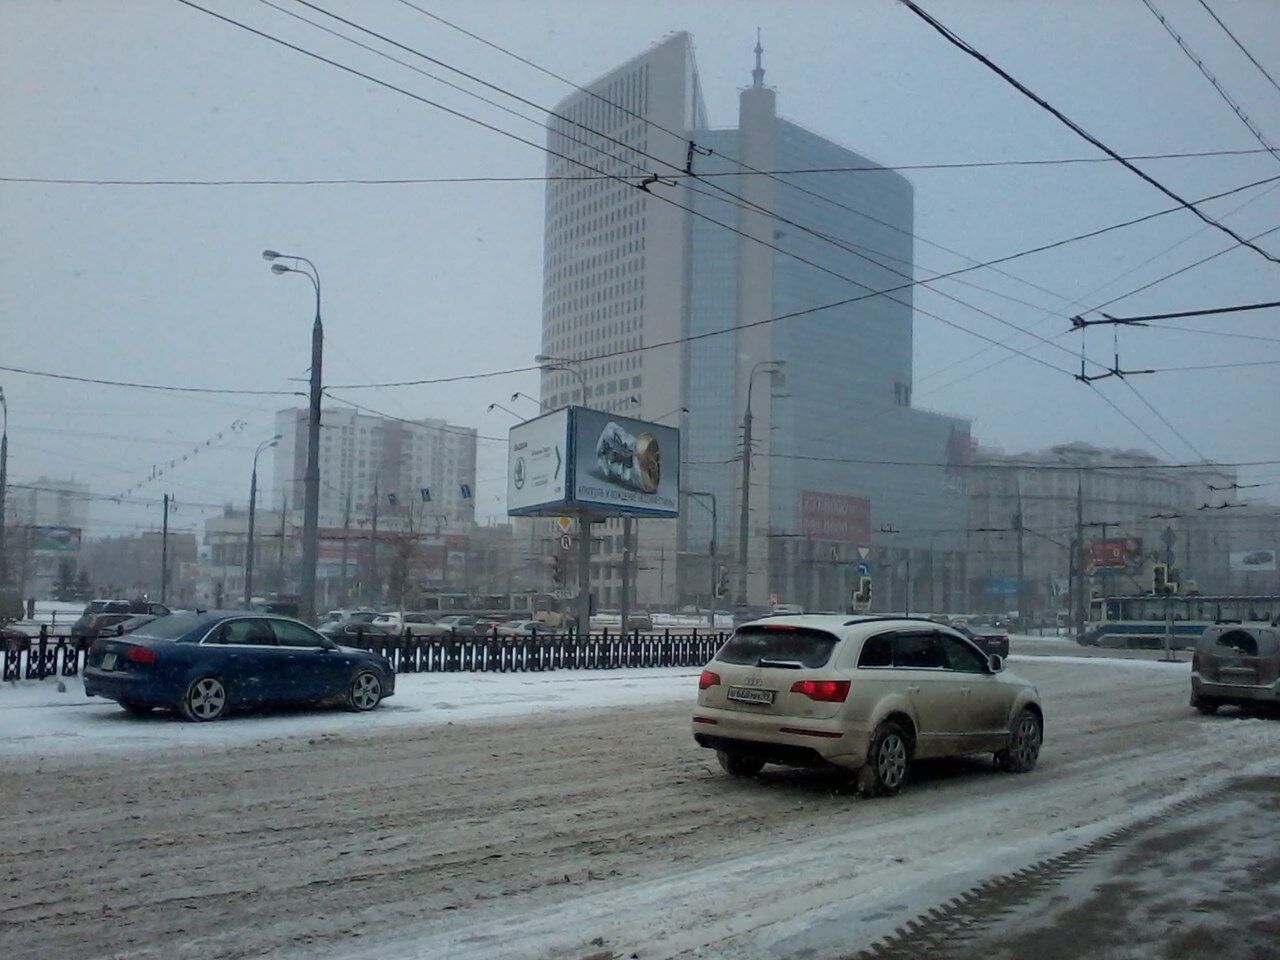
548 825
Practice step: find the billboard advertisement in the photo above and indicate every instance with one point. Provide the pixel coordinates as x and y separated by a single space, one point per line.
55 539
835 516
537 464
624 466
1253 561
1118 554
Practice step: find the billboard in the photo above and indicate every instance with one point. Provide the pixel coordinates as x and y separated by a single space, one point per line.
1118 554
537 467
1255 561
55 539
624 466
578 459
835 516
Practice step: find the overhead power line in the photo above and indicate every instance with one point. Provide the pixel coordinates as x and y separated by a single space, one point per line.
1213 81
1143 318
151 386
795 171
1252 58
947 34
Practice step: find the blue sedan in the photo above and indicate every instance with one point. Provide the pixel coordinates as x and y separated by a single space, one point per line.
206 664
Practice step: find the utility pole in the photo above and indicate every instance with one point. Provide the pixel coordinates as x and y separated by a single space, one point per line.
164 552
744 525
284 513
584 575
4 470
626 571
1017 526
346 537
1077 597
374 585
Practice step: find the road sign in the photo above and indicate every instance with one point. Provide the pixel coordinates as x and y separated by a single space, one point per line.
564 594
1168 538
863 552
566 541
564 523
864 569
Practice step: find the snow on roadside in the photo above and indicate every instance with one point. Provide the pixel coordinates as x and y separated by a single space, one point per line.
39 720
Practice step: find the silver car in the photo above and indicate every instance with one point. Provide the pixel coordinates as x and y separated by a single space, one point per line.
870 694
1235 664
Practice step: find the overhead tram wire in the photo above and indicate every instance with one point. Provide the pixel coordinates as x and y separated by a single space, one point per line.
98 381
1243 49
1213 81
620 179
951 37
413 181
809 310
815 233
627 148
683 137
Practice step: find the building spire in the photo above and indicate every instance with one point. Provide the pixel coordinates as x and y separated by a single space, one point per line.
757 75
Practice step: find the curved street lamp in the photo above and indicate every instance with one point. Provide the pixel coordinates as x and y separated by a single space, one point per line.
568 365
773 366
311 478
508 410
253 505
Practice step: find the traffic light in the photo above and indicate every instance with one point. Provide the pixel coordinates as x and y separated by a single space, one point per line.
557 569
862 595
722 581
1159 578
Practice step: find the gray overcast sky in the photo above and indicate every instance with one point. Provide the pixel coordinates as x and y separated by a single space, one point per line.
165 284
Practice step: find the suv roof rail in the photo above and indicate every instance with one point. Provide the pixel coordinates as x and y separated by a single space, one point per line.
882 617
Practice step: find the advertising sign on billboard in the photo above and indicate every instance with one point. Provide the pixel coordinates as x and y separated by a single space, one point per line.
1118 554
835 516
625 466
55 539
537 467
1256 561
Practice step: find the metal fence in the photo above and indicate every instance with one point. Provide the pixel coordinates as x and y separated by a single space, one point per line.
50 655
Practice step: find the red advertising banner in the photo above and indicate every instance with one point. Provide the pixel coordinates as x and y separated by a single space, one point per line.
1119 554
835 516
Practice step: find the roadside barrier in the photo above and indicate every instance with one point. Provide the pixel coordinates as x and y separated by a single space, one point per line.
51 655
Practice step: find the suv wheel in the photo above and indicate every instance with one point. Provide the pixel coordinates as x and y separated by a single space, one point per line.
1205 705
739 764
1025 738
888 761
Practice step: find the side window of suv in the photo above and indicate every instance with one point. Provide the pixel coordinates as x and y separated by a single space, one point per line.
918 651
877 652
960 656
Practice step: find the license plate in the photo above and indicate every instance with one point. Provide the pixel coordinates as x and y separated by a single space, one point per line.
108 661
750 695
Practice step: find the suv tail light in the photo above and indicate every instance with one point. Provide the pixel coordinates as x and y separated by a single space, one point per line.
709 678
140 655
828 691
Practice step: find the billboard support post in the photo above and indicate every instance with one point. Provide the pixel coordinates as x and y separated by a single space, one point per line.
584 575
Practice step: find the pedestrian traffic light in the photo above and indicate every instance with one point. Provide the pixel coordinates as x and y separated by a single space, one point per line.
557 569
862 595
1159 578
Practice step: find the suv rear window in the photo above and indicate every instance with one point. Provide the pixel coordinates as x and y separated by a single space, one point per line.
1239 642
802 646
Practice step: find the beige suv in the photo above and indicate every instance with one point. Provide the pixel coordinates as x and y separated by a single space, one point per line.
870 694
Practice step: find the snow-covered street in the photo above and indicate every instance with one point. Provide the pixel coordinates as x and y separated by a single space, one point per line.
559 815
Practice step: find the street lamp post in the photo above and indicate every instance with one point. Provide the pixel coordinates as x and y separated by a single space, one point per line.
311 479
743 519
4 469
711 554
507 410
567 365
524 396
253 505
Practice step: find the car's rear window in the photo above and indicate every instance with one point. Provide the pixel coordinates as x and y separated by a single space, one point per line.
176 626
779 643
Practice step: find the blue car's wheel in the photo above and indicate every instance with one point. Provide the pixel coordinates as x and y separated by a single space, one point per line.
365 691
205 699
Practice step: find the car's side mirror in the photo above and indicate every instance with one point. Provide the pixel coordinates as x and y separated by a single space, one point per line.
327 643
995 662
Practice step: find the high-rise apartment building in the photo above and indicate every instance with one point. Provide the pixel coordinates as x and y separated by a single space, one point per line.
695 293
427 465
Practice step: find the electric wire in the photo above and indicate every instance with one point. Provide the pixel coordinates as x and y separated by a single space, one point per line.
1243 49
967 48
